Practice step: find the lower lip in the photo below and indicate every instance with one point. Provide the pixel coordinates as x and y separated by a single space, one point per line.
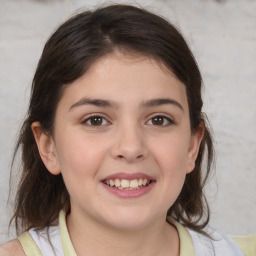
129 193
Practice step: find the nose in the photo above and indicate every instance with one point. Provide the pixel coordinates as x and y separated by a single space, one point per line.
129 144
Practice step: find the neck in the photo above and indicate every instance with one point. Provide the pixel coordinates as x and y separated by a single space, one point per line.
93 238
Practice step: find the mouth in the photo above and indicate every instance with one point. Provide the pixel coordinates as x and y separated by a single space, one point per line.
125 184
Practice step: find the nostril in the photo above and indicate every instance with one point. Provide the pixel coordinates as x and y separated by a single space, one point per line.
122 157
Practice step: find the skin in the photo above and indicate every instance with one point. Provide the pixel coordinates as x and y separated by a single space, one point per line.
12 248
127 140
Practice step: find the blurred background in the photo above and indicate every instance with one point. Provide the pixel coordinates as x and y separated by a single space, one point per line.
222 36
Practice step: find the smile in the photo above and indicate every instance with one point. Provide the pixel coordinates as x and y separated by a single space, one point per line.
124 184
127 185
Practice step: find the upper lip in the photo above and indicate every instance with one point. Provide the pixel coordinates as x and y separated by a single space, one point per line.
128 176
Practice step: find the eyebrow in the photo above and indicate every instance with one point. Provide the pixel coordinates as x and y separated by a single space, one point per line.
111 104
95 102
162 101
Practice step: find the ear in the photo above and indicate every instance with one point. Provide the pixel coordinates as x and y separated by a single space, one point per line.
46 148
195 142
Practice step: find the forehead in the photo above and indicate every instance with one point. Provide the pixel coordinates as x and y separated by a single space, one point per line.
124 77
127 62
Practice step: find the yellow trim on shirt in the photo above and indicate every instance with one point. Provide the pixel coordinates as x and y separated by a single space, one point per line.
68 248
186 243
246 243
29 246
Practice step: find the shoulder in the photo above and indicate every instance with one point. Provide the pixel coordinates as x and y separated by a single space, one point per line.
247 244
12 248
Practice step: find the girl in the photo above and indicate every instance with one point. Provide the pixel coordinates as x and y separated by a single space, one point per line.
113 144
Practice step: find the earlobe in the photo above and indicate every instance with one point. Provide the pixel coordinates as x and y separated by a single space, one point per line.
194 147
46 148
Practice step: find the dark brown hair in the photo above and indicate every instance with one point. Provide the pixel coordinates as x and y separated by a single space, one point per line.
67 55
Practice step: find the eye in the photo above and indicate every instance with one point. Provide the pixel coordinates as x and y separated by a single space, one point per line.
160 121
95 121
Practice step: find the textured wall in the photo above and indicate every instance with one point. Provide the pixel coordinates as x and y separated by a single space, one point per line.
222 34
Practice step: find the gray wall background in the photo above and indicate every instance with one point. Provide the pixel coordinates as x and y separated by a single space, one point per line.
222 35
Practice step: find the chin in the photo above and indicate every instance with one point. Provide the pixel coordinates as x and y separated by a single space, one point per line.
129 225
128 221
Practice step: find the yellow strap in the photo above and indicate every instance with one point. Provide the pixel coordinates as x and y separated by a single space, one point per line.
28 244
68 248
247 244
186 243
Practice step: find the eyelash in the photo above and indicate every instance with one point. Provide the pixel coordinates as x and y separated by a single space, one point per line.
167 121
103 121
90 119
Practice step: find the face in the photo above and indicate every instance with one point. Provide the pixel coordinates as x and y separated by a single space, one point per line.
122 142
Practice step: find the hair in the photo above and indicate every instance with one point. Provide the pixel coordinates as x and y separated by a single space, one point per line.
71 50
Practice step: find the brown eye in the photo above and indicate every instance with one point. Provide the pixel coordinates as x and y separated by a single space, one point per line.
95 121
160 121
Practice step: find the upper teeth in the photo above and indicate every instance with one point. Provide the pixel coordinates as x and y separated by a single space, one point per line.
127 184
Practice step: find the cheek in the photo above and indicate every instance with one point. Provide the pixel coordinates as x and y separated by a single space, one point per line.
80 161
172 154
81 155
172 161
